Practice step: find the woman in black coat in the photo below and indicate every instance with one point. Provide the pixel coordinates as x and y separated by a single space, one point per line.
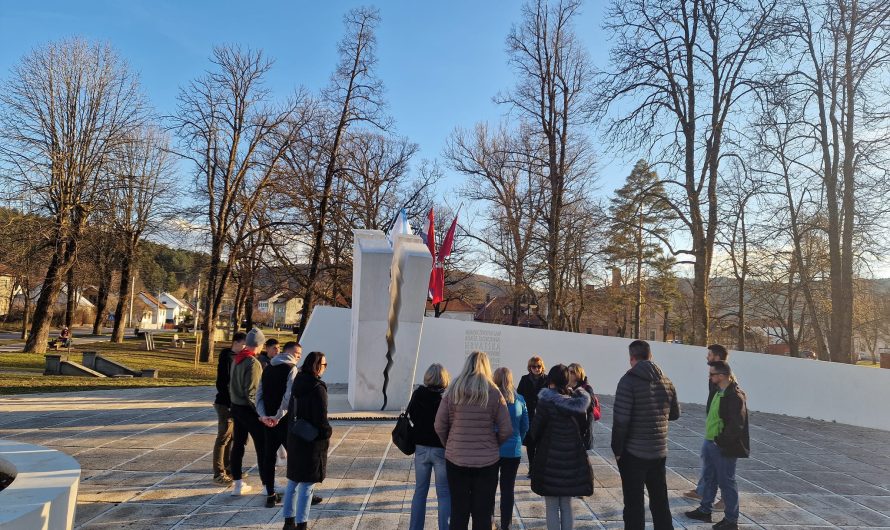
529 386
561 469
307 461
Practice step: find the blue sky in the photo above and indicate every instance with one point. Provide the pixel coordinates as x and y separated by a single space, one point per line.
441 62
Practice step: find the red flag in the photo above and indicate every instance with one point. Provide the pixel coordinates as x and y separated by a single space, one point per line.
448 242
431 244
437 283
431 235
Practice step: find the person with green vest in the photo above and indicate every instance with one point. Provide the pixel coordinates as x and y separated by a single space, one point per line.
726 440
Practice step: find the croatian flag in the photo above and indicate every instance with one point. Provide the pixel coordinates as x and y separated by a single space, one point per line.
400 226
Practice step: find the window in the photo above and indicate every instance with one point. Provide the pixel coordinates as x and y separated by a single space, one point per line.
606 330
590 331
652 334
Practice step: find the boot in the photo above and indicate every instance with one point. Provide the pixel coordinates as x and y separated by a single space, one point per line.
289 524
302 526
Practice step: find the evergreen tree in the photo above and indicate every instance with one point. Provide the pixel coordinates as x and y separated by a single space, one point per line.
639 215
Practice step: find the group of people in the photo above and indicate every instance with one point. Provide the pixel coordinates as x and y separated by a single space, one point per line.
260 394
469 434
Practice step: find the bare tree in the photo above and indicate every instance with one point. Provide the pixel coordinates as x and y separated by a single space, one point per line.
67 108
355 95
846 50
235 137
504 173
684 70
551 96
143 198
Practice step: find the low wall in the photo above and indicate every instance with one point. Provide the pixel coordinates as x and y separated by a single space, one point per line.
782 385
43 495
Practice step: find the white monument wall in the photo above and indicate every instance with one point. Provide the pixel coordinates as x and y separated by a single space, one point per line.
796 387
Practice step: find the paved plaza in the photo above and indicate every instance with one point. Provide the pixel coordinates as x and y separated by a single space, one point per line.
145 455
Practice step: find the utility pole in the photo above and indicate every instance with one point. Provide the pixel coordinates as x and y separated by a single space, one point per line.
197 307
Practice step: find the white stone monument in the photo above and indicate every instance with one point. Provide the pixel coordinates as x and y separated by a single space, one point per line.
390 286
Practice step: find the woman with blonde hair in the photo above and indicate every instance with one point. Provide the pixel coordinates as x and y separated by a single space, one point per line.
578 379
511 450
472 423
429 455
530 386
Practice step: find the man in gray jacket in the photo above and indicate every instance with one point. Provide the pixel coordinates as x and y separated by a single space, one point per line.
644 403
243 385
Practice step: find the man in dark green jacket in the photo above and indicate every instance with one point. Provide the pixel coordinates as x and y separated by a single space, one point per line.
726 440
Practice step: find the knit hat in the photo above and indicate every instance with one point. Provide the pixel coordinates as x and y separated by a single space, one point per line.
255 338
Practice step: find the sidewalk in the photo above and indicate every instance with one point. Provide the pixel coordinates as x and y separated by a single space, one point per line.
146 452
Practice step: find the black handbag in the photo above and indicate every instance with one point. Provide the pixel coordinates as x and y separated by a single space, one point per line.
403 435
301 428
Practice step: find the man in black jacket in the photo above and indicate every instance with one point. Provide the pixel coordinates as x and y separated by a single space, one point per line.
644 403
726 440
222 447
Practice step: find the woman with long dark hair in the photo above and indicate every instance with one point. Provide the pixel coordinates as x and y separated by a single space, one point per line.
307 460
561 469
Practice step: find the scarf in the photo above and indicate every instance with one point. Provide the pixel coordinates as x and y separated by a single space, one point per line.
243 354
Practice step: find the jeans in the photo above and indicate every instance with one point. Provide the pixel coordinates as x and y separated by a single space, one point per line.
508 468
297 500
635 473
559 513
273 438
426 460
246 422
719 471
700 485
472 494
222 447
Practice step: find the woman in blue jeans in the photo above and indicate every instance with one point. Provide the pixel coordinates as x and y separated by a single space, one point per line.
429 455
511 450
307 460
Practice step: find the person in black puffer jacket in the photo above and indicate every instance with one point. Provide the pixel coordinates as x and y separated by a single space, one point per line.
429 455
644 403
561 469
529 386
307 461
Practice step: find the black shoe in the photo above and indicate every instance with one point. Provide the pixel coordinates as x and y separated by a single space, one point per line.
726 525
289 524
316 500
301 526
699 515
272 500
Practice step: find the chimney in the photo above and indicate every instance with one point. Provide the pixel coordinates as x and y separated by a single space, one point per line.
616 277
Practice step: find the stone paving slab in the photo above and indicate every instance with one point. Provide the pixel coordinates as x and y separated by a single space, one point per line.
146 453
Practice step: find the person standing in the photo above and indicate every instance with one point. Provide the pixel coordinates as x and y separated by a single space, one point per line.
472 422
530 385
726 440
307 460
429 456
272 401
270 350
246 373
578 379
716 352
511 450
645 401
222 447
561 469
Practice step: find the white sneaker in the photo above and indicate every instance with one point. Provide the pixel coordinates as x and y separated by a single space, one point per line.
241 488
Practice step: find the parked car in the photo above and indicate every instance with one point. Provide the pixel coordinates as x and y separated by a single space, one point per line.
865 356
808 354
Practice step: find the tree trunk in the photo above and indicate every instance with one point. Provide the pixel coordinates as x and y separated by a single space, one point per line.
26 313
71 300
102 299
43 310
208 323
664 325
123 299
248 308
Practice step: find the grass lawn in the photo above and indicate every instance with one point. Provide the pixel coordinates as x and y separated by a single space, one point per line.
21 373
